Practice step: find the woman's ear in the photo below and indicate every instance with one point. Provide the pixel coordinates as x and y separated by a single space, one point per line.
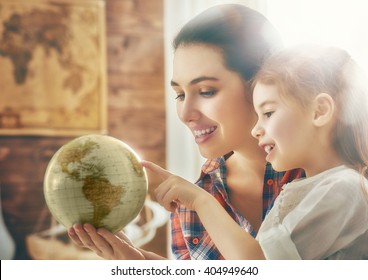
324 109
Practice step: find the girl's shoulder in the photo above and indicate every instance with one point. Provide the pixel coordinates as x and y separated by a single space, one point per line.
343 177
340 181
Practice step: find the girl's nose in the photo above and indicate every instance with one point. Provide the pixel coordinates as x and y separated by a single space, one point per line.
257 131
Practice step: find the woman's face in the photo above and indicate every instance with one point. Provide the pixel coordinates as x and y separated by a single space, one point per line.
212 101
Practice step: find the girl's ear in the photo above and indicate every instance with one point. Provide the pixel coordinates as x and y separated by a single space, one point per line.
324 109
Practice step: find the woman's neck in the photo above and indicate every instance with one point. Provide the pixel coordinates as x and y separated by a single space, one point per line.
239 165
245 178
250 158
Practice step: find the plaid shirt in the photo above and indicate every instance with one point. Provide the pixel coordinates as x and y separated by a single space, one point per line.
190 239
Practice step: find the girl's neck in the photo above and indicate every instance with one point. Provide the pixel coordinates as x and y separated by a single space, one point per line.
329 160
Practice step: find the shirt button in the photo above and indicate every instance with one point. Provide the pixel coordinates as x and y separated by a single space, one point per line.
269 182
195 241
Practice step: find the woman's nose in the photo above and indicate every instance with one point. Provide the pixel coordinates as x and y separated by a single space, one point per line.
188 111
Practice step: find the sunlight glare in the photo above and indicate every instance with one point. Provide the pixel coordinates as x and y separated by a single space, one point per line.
340 23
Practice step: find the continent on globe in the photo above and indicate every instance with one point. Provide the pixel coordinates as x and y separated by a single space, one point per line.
95 179
103 195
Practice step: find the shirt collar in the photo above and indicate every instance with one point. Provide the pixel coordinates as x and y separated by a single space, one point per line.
211 165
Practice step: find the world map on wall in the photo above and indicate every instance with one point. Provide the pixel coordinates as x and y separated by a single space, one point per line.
52 65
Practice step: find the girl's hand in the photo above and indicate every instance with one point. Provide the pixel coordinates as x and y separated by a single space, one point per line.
175 190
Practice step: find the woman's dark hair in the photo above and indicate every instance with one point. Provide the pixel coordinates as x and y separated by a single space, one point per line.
244 36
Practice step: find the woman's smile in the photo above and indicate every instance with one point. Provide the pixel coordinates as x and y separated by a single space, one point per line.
202 135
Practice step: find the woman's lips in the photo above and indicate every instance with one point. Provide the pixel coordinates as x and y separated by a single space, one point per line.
202 135
201 132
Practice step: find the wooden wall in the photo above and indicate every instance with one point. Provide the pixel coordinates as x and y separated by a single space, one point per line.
136 115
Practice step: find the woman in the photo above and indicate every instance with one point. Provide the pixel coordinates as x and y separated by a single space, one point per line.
216 55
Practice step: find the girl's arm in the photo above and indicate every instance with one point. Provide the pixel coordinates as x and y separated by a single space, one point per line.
232 241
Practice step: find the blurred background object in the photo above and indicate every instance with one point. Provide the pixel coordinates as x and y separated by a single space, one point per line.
132 33
7 251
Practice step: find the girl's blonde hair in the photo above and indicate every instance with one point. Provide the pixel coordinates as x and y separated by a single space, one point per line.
302 72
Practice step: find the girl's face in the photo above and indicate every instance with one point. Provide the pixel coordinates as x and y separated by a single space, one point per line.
212 101
284 129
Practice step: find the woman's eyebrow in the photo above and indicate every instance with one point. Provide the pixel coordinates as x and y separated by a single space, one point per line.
203 78
196 80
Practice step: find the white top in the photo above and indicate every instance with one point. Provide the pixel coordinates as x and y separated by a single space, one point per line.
320 217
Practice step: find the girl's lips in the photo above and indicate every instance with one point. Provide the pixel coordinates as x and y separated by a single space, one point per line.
268 148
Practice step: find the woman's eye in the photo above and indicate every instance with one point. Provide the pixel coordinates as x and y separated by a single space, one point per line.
208 93
180 96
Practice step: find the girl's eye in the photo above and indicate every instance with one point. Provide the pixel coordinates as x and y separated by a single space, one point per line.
268 114
180 96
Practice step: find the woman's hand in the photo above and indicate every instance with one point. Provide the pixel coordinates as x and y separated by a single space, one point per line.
104 243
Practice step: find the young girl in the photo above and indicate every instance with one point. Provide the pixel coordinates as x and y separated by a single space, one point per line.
312 108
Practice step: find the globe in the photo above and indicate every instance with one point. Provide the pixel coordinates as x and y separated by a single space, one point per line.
95 179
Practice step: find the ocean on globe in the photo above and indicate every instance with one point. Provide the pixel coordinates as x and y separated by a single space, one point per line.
95 179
